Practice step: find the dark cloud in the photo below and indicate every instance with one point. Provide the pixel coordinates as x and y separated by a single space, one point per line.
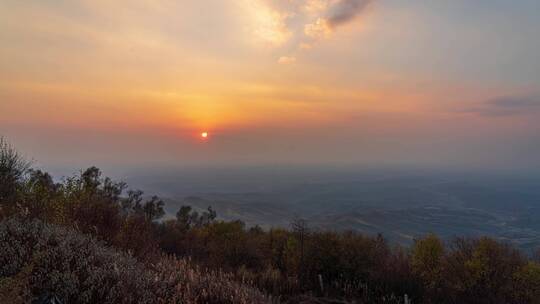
345 11
507 106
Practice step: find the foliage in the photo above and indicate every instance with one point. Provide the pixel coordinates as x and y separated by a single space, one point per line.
13 167
88 202
427 264
527 283
37 259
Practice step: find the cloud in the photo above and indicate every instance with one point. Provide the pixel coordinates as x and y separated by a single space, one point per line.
267 24
298 25
315 7
332 15
344 11
286 60
508 106
319 29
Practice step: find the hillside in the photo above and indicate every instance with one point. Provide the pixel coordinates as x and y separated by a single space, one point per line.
50 262
88 239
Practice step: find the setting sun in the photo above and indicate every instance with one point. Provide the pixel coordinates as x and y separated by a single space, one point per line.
204 134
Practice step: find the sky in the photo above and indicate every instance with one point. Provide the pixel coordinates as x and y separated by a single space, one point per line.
367 82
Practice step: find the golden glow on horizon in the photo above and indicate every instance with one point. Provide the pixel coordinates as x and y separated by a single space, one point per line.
140 69
173 80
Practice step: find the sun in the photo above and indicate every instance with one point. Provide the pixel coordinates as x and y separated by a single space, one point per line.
204 134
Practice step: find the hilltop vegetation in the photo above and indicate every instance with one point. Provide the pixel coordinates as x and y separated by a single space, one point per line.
46 261
88 239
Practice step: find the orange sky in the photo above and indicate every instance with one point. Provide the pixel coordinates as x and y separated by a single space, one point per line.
273 81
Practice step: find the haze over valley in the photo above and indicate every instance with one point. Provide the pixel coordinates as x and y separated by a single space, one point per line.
402 204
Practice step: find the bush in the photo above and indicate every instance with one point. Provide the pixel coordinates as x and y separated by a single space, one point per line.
38 259
183 282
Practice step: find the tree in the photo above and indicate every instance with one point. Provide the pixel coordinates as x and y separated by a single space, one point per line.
527 283
153 209
13 168
187 218
183 217
41 195
482 271
427 263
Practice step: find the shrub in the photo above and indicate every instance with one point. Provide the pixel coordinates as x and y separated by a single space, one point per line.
183 282
38 259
